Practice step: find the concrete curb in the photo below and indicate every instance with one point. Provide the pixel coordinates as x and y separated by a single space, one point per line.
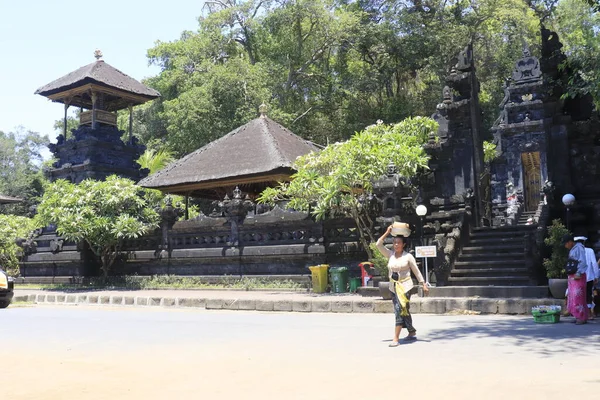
428 305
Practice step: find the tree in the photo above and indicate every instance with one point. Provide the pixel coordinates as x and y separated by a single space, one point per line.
578 25
20 168
339 179
100 213
326 68
13 227
72 123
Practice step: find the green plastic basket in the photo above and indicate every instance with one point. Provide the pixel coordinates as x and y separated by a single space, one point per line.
551 317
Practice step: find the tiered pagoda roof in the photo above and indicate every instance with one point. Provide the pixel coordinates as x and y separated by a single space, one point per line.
74 87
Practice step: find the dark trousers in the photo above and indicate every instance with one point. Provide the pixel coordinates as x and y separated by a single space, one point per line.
588 292
403 321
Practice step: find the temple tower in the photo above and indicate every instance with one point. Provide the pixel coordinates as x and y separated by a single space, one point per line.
95 149
530 131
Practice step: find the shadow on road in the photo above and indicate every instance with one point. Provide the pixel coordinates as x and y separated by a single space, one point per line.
543 339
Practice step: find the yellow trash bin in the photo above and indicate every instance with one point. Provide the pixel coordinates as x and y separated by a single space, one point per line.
319 278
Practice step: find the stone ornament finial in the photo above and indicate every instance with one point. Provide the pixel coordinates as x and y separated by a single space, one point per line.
98 54
262 109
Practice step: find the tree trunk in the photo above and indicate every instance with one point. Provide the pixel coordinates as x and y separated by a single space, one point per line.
364 233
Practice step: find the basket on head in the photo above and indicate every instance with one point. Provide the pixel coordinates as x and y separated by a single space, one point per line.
400 229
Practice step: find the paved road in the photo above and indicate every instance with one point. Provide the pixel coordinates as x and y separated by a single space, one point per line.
118 353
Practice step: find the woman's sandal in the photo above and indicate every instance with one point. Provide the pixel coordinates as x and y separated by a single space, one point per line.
394 344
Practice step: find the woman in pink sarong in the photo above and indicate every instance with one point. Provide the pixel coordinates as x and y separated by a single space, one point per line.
576 300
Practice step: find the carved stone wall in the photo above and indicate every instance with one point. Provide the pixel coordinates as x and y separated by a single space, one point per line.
452 149
95 153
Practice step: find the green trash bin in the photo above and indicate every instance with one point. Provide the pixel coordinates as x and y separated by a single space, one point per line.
354 284
339 279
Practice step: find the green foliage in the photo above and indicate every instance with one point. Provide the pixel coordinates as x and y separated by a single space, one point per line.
577 25
72 124
555 265
327 68
489 152
339 179
100 213
135 282
155 160
20 169
11 228
380 263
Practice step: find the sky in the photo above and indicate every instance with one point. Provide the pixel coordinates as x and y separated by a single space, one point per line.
43 40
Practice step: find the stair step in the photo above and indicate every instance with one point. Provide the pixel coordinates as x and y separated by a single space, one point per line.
518 234
487 263
504 229
475 272
489 281
491 256
483 264
493 249
517 241
524 291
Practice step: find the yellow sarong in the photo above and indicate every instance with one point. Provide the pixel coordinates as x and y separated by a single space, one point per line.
402 299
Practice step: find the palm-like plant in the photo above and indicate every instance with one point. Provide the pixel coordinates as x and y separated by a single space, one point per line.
155 160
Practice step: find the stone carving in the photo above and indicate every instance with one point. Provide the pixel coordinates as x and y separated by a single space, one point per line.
465 60
277 214
527 69
56 245
447 94
529 146
168 216
548 189
235 210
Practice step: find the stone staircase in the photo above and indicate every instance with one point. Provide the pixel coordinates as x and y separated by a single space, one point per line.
494 256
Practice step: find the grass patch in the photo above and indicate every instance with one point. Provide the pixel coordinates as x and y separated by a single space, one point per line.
172 282
21 303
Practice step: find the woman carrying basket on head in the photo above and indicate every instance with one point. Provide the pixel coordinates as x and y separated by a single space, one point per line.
400 265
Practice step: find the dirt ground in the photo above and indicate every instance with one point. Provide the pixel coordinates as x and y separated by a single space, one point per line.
129 354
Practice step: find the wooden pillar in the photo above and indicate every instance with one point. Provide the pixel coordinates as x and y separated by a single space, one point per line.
65 120
130 123
94 99
187 207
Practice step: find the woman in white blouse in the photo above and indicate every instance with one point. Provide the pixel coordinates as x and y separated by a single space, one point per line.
400 264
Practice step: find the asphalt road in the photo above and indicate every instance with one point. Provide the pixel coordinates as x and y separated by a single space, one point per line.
131 353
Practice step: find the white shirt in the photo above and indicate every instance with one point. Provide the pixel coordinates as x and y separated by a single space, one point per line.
402 265
592 265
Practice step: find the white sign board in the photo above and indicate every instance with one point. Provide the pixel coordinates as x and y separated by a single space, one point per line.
425 251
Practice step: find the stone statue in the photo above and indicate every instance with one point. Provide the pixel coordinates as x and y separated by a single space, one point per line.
527 69
465 60
447 95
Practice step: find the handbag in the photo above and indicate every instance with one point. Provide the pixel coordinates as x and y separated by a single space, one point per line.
571 267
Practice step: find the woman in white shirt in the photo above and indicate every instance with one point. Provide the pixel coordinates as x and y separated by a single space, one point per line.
400 264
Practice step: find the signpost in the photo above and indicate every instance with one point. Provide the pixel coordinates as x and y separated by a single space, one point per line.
426 252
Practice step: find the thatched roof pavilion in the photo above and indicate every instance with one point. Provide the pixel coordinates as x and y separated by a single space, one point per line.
254 156
100 88
76 88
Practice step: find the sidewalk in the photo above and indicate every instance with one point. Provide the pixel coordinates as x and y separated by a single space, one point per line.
279 301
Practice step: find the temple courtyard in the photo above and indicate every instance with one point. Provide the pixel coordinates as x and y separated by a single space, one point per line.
85 352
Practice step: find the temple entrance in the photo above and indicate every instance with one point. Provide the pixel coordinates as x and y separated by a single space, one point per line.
532 176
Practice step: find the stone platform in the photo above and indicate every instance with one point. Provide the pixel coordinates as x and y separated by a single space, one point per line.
280 301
